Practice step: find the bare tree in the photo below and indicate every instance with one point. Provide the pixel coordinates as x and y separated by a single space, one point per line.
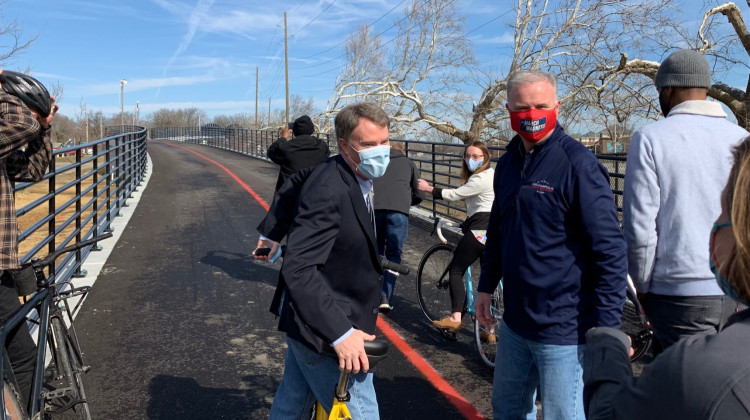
571 38
12 41
722 46
423 68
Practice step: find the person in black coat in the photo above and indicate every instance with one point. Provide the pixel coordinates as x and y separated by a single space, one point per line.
301 152
329 285
395 192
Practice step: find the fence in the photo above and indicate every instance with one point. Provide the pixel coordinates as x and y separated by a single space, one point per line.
439 163
83 190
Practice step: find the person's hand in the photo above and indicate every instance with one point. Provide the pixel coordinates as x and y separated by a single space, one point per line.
351 352
482 309
45 122
266 243
286 132
422 185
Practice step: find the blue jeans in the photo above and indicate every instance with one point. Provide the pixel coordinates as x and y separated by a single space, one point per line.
523 365
392 228
309 376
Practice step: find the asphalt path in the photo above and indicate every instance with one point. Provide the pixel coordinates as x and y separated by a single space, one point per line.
177 324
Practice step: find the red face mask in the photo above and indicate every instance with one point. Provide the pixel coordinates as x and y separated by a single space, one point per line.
533 124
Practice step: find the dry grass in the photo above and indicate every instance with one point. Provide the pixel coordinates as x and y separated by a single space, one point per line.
39 189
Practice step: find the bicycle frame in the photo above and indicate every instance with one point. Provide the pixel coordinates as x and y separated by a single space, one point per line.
41 301
470 295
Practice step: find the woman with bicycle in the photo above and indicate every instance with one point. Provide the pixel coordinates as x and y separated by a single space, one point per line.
699 377
476 192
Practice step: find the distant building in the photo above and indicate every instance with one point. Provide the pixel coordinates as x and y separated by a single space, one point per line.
601 143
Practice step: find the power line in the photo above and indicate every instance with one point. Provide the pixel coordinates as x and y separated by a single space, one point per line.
316 17
368 25
487 23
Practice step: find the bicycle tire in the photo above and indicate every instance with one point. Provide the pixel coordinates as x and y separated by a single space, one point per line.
486 338
70 367
14 408
633 323
432 281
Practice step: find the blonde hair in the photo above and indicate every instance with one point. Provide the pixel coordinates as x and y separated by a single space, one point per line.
737 201
465 172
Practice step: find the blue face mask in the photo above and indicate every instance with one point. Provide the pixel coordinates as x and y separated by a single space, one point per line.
474 164
373 161
726 286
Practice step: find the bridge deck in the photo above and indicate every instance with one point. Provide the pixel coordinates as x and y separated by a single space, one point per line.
177 325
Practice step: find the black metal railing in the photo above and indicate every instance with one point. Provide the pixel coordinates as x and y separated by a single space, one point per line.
83 190
439 163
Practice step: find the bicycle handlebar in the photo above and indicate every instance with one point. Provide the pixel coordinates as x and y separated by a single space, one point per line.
49 259
389 265
439 223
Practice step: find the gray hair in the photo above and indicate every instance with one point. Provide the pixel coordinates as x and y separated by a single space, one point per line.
523 77
348 118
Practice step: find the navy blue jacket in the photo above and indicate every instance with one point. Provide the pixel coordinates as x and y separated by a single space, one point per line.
554 239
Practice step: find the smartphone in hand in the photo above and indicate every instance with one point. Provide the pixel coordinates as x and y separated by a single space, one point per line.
262 252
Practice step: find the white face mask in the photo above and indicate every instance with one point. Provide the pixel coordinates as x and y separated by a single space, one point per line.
373 161
474 164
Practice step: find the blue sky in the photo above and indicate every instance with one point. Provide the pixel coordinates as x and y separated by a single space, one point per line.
204 53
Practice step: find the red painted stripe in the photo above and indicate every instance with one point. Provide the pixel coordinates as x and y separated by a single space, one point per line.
433 377
450 393
236 178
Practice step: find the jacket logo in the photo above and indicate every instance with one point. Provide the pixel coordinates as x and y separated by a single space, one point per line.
542 187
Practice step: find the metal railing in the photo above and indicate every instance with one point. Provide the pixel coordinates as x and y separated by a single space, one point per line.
439 163
83 190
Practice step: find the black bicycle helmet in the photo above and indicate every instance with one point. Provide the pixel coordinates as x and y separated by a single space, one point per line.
28 90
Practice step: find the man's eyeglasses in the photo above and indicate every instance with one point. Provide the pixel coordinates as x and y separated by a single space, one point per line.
473 157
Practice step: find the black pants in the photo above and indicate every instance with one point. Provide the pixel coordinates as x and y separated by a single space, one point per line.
467 251
19 346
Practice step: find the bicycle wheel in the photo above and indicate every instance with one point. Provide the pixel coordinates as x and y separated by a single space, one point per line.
13 406
635 326
486 338
70 367
432 281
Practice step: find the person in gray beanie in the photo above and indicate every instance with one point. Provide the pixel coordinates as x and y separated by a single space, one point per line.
676 170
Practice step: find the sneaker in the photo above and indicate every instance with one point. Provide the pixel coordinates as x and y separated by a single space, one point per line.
385 306
447 324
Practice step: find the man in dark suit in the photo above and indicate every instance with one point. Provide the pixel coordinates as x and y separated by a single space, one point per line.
329 288
301 152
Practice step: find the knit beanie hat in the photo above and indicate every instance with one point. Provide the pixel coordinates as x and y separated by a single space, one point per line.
684 68
303 125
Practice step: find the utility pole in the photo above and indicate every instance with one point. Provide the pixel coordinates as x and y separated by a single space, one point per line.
286 71
101 124
256 97
269 112
86 119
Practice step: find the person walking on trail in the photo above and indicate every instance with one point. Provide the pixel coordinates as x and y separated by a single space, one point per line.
301 152
26 110
554 239
394 193
675 172
329 286
476 192
703 376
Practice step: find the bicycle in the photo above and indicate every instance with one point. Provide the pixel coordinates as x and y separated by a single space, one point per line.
376 351
50 299
635 324
433 291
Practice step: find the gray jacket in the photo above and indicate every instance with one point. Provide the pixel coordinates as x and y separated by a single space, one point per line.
700 377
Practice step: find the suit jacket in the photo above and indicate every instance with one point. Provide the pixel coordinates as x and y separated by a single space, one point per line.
292 155
330 279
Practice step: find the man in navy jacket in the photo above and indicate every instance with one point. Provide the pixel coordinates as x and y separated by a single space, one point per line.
554 240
